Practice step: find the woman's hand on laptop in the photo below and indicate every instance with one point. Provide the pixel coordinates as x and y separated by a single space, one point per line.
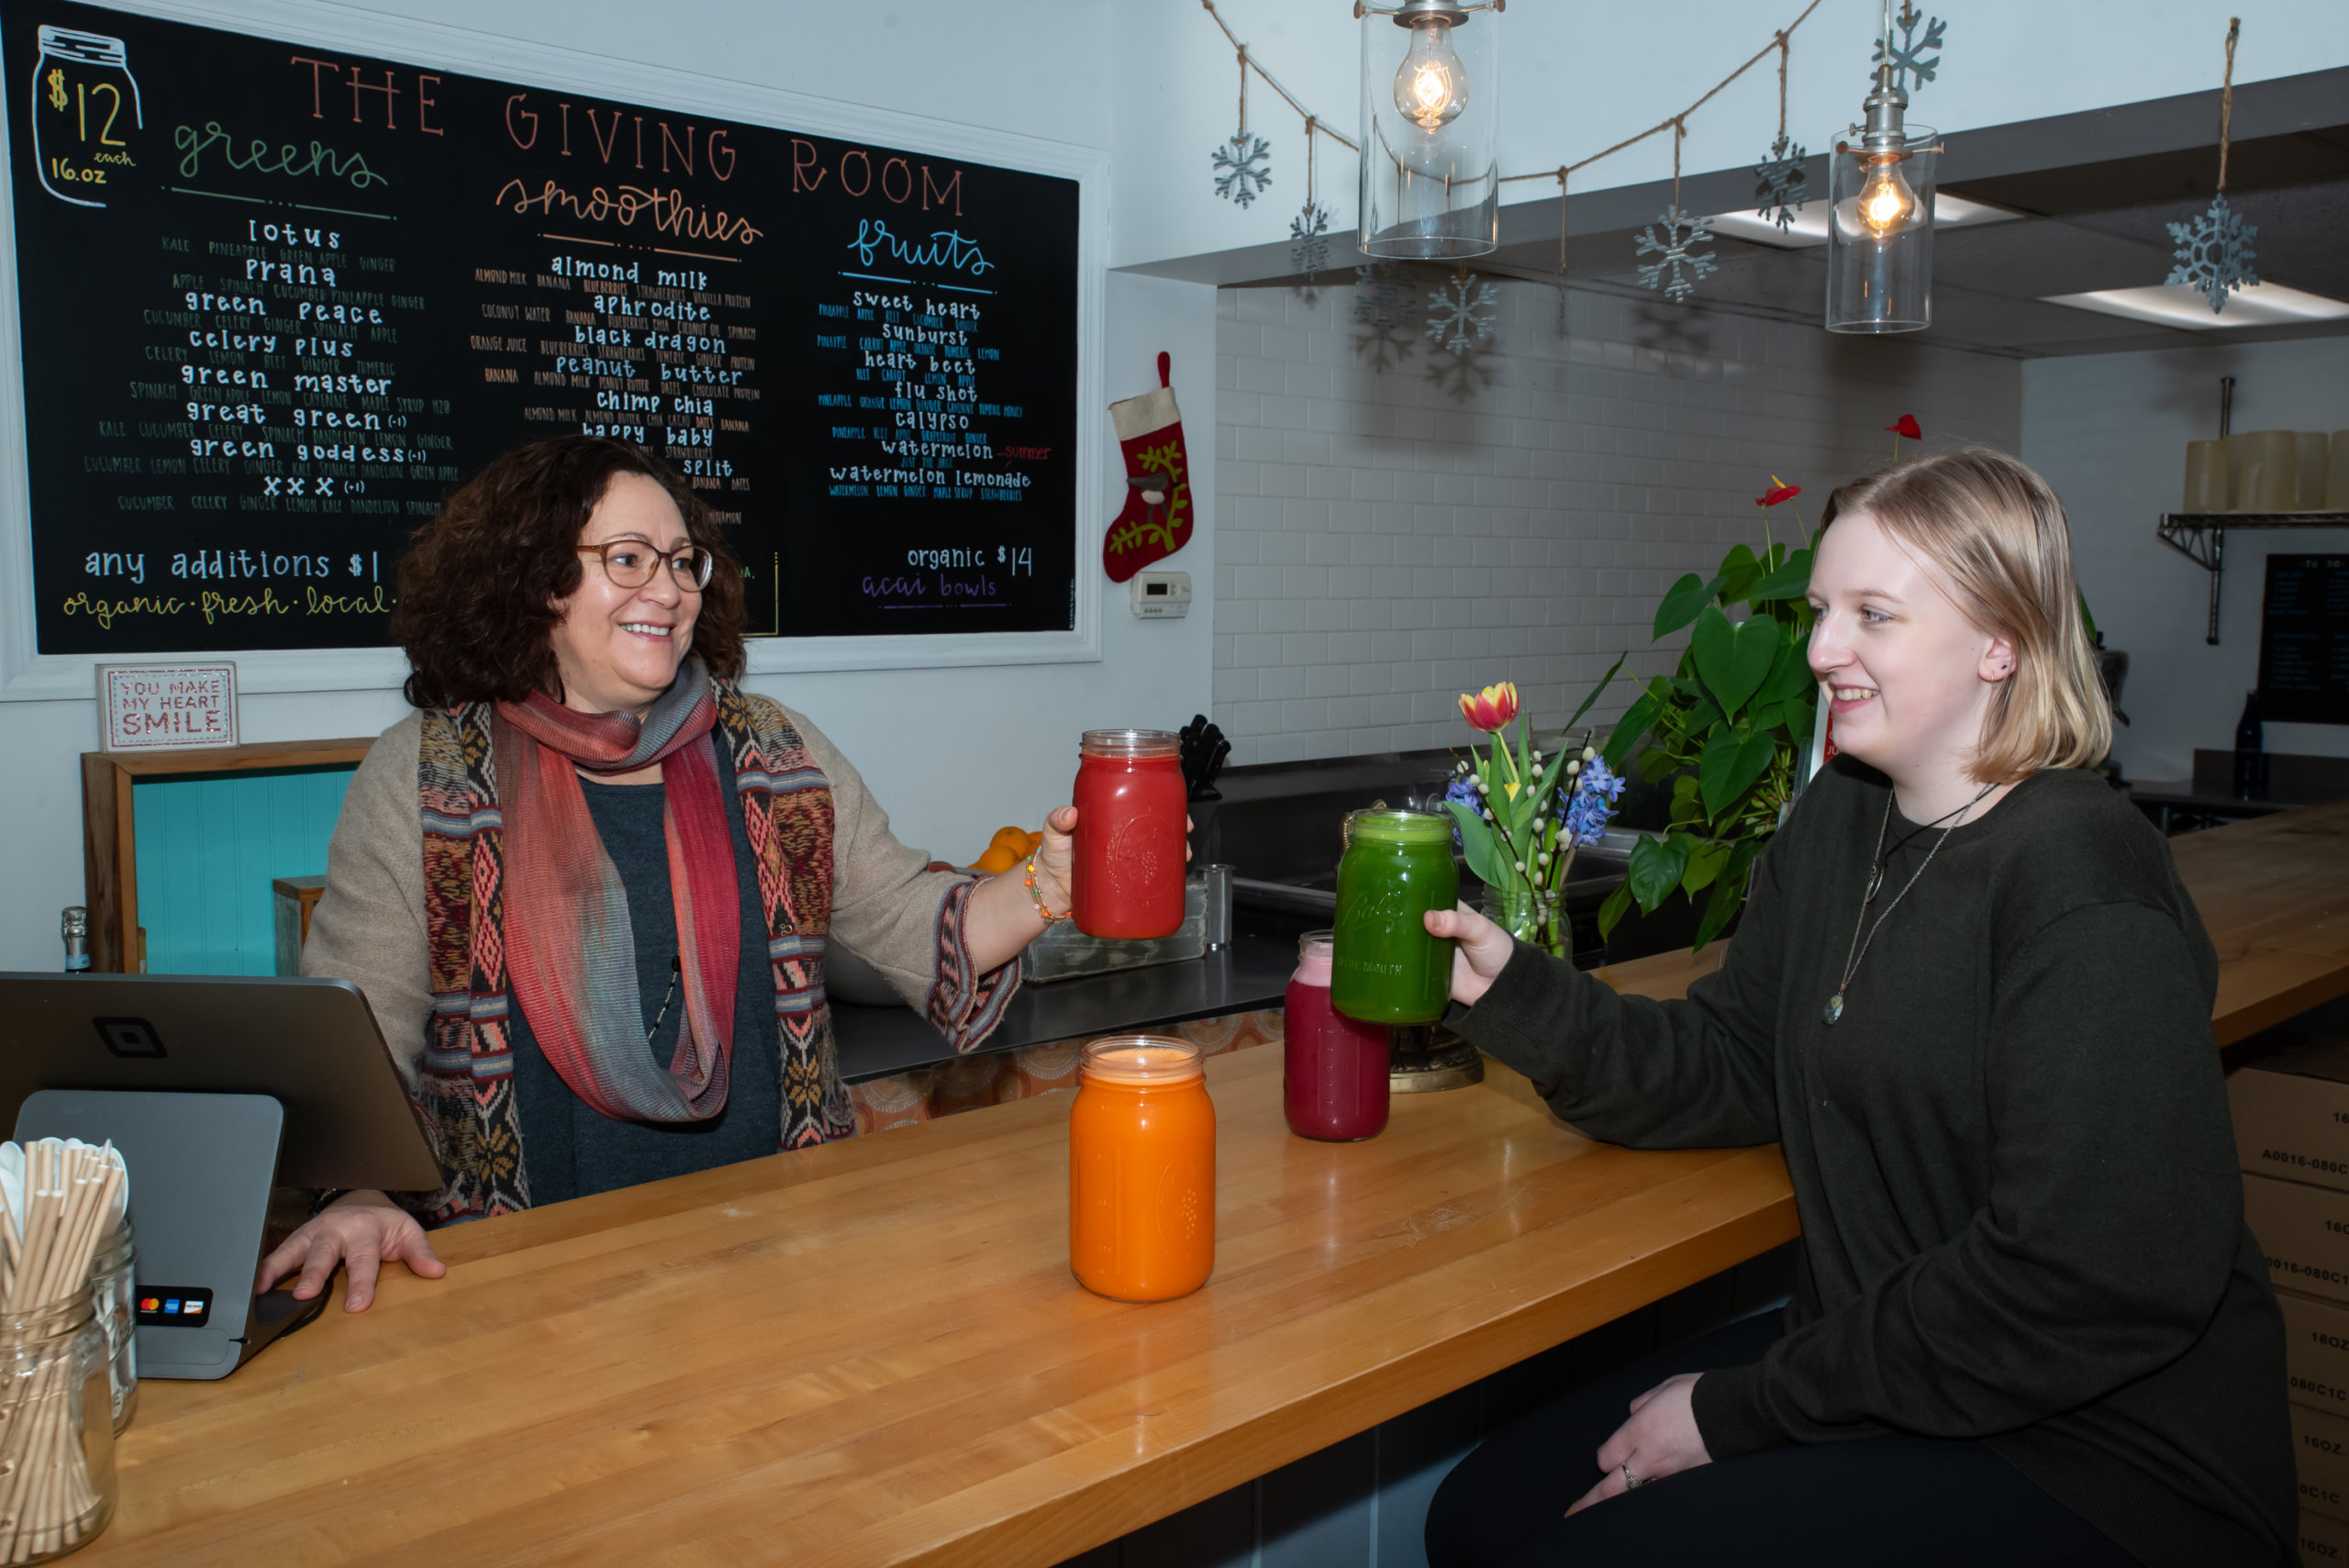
361 1230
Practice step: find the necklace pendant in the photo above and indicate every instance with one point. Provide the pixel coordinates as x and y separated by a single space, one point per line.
1834 1008
1876 883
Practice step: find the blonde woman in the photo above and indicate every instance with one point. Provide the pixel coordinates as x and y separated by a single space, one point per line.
1971 1000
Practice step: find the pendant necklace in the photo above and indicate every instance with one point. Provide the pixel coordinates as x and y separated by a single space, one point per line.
1834 1008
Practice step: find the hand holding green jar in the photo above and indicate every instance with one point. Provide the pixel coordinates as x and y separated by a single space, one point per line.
1387 968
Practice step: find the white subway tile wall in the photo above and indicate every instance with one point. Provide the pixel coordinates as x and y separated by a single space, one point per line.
1385 542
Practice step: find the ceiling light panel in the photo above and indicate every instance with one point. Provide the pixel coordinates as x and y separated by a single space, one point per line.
2182 305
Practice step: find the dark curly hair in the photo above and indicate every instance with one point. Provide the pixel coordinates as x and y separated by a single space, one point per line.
482 585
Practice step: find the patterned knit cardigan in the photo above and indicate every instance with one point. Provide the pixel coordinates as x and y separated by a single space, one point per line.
466 1085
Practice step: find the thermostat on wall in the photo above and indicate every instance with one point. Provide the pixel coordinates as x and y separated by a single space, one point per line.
1160 596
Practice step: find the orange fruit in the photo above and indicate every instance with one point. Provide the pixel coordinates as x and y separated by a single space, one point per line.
998 859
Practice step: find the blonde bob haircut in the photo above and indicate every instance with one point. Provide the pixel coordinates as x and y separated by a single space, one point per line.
1997 535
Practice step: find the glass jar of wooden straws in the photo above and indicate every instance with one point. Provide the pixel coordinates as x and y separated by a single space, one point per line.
57 1479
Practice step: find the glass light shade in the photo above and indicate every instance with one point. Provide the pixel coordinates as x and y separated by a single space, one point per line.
1880 234
1430 120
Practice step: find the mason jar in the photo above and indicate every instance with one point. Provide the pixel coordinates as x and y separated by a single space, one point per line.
58 1487
1385 968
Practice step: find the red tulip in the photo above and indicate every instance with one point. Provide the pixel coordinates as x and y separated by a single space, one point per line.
1907 426
1491 708
1777 493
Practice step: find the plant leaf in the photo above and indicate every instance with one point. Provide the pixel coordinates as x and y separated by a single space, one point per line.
1476 842
1603 680
1682 602
1730 765
1740 572
1629 728
1612 913
1729 896
1705 862
1734 659
1656 865
1791 581
1790 674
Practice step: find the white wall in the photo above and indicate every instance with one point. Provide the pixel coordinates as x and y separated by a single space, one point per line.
2109 432
1582 77
952 754
1387 545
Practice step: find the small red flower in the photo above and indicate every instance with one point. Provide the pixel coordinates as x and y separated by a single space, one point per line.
1777 493
1907 426
1491 708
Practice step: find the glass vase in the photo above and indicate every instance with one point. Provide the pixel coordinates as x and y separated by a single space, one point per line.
1537 920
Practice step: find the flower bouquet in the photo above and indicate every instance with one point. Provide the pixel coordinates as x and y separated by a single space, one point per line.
1519 817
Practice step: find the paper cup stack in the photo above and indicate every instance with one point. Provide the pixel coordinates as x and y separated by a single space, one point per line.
63 1198
2269 471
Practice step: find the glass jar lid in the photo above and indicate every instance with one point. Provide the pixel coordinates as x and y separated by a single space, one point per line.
1130 743
1141 1062
1386 825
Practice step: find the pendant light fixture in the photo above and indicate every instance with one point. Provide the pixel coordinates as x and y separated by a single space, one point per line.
1430 120
1880 226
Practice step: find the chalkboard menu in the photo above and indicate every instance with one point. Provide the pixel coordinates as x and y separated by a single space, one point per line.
2304 641
278 300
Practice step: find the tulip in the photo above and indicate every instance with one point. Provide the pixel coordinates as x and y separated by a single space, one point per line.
1490 709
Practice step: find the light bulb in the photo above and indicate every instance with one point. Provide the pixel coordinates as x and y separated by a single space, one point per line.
1431 85
1886 202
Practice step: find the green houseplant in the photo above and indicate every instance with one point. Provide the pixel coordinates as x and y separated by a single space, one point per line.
1729 727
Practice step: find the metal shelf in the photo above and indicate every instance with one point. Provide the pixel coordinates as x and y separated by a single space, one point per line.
2201 538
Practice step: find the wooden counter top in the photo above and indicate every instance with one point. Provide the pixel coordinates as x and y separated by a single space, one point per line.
2273 892
873 1352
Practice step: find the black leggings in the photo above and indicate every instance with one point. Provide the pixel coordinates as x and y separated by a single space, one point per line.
1922 1502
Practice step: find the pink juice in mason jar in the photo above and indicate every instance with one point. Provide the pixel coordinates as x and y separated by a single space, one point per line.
1334 1068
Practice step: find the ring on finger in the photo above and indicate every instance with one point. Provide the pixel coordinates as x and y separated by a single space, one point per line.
1630 1481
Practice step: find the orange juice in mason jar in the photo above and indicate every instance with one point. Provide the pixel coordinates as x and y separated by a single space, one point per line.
1141 1170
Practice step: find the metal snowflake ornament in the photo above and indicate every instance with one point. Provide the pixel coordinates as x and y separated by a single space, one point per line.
1679 263
1910 68
2214 254
1244 168
1779 183
1462 313
1308 234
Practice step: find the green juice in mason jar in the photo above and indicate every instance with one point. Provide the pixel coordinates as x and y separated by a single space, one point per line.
1385 968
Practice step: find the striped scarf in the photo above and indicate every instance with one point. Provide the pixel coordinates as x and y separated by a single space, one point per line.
570 944
466 1092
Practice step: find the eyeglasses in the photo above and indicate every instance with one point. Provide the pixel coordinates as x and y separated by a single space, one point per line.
630 563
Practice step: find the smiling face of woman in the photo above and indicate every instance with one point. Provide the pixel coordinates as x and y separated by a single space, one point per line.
1910 678
619 649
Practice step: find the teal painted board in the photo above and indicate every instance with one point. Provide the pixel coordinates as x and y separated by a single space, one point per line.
208 848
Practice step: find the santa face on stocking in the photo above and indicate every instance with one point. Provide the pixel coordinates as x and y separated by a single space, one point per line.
1156 521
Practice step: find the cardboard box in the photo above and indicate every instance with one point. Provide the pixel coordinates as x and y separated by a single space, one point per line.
2321 1454
2291 1114
2324 1541
2304 1231
2316 1350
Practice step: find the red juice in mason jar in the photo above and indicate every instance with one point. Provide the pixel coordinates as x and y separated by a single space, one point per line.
1130 803
1334 1068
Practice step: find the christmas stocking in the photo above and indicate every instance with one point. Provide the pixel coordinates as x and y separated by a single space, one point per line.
1157 519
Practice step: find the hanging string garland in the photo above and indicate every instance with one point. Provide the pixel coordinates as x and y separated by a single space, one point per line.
1780 185
1308 231
1561 250
1678 264
1910 68
2214 252
1243 163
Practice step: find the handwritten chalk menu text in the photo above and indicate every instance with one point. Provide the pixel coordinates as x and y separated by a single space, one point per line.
279 300
2304 641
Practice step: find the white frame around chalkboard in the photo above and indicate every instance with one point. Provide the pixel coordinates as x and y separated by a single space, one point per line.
28 675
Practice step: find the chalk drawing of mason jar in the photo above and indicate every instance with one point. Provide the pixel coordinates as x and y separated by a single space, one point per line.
85 110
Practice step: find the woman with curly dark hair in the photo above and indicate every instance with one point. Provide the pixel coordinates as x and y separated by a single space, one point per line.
590 884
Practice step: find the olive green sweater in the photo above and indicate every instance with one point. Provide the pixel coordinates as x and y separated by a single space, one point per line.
2021 1213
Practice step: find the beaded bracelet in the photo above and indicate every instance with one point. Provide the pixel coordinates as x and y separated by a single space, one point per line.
1036 895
